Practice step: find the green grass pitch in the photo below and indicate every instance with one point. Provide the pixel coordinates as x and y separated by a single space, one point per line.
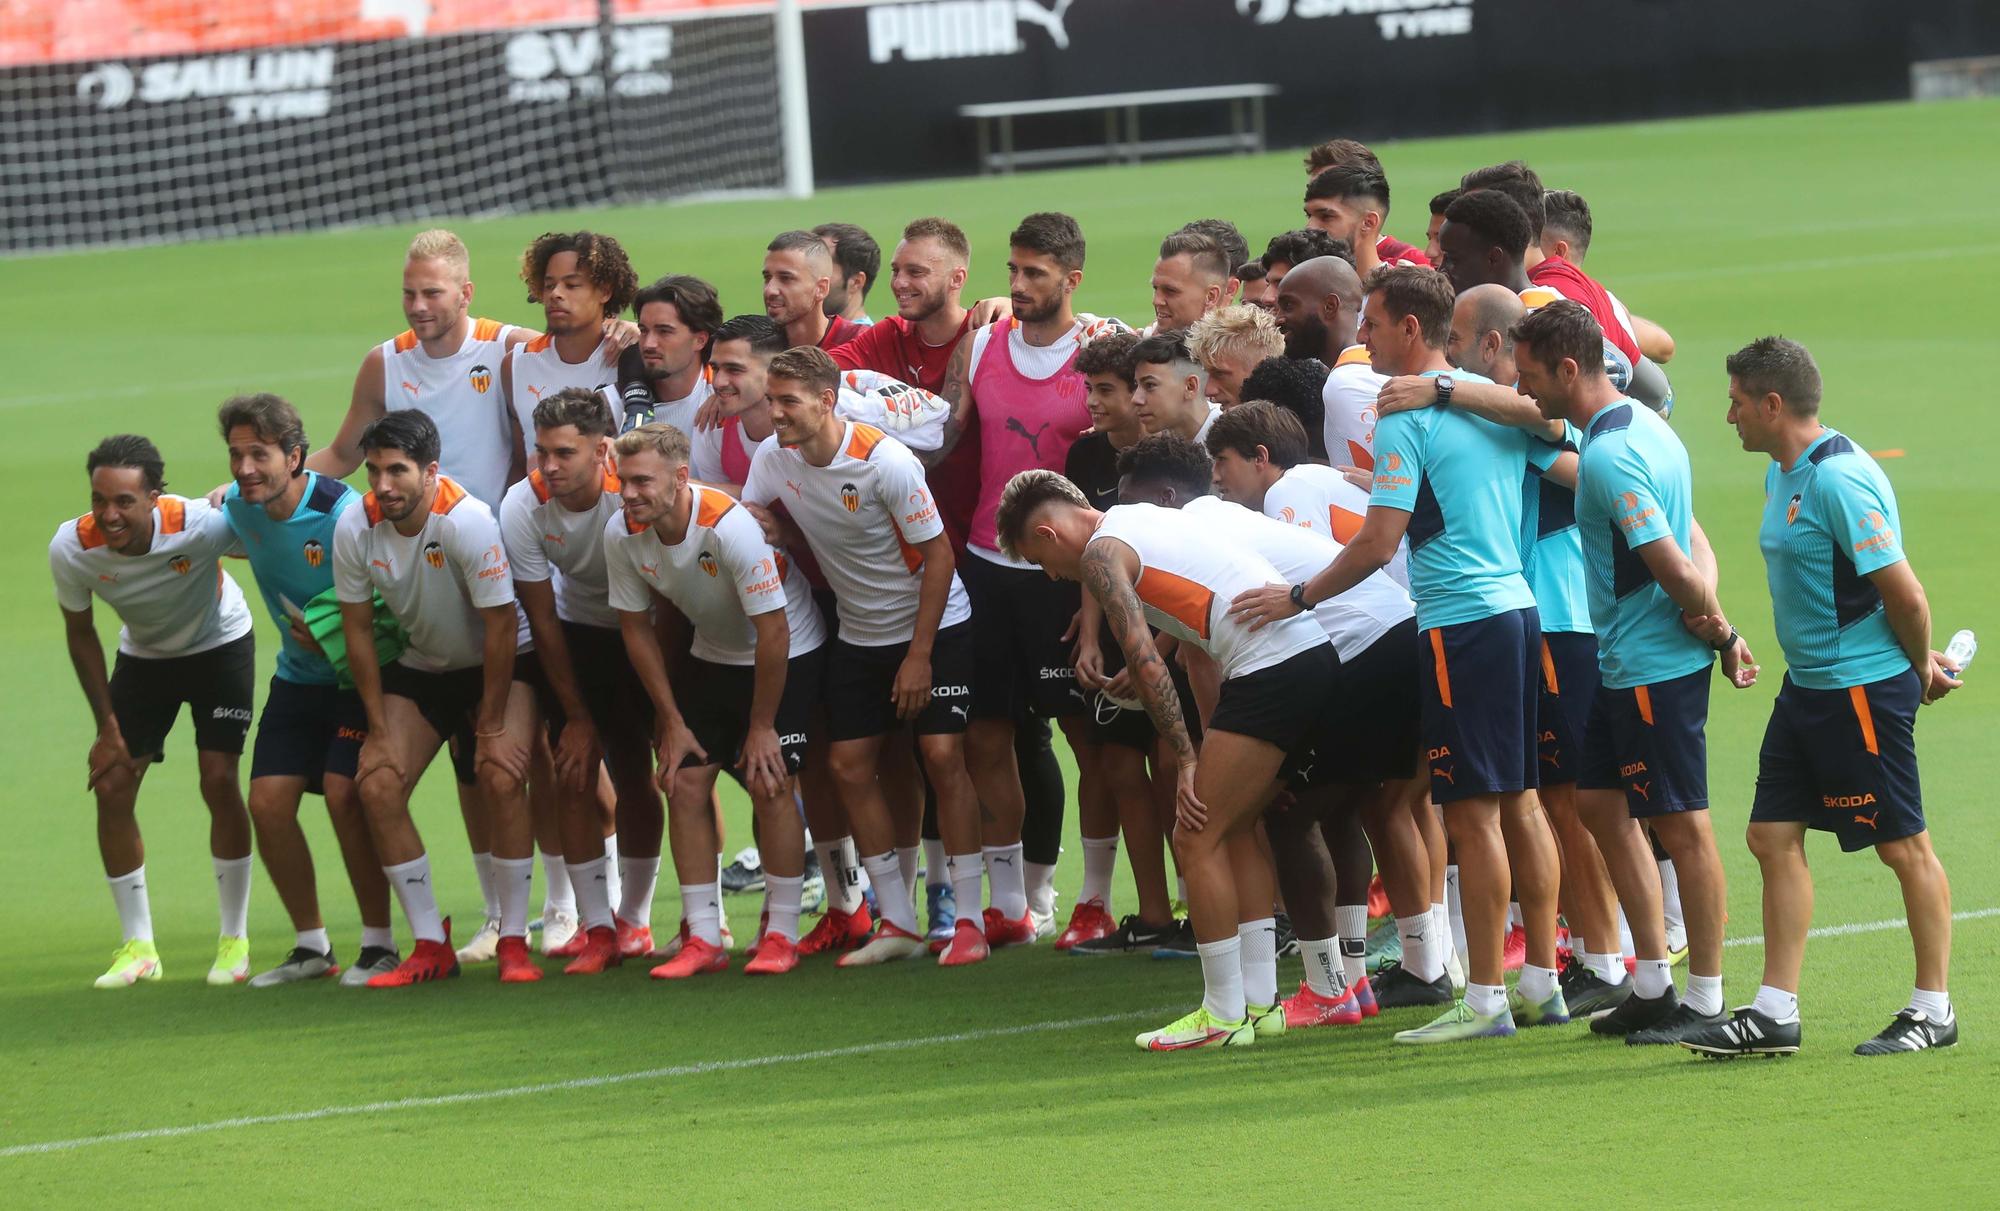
1865 232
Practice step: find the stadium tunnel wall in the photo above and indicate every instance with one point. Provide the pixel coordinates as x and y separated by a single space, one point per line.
299 137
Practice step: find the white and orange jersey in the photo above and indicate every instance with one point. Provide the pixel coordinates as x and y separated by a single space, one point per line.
863 514
544 537
680 412
1190 569
461 393
720 574
1350 395
175 600
1353 620
435 582
1320 499
537 372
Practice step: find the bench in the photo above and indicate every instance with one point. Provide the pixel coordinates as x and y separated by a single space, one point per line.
1246 125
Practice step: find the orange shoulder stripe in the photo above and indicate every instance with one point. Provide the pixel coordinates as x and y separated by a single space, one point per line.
87 532
611 483
1177 597
539 343
373 508
711 508
863 441
485 329
1353 355
173 514
406 340
448 495
539 486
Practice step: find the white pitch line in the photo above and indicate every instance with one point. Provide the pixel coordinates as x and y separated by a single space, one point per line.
583 1082
708 1066
1841 931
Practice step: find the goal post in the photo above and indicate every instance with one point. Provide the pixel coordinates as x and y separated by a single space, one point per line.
190 119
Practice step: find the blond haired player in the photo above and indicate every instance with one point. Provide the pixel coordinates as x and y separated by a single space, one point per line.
1229 343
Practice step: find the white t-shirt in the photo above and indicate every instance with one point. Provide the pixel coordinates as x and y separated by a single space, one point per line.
435 582
461 395
1349 395
543 538
680 412
538 372
1321 500
863 515
720 574
175 600
1190 570
1353 620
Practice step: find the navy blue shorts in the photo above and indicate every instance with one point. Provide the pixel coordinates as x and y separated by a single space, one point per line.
1569 687
308 731
1480 683
1844 761
1651 741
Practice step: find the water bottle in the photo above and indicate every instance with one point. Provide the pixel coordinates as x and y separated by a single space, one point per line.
1960 651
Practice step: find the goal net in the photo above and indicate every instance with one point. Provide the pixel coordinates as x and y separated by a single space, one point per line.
139 121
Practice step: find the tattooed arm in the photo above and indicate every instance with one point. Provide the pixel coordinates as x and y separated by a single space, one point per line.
1108 569
957 391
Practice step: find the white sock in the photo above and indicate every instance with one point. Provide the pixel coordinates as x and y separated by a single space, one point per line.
1934 1005
965 872
412 881
843 881
1670 899
1704 994
232 893
1350 926
314 940
1100 863
1455 909
614 874
637 878
1222 978
781 905
1609 968
1486 999
560 896
1536 983
1180 888
701 908
1514 917
1041 886
135 911
1652 978
593 891
1323 967
1776 1004
1441 931
1625 944
850 860
482 865
1009 883
1259 956
515 880
908 858
892 896
1419 958
934 860
378 935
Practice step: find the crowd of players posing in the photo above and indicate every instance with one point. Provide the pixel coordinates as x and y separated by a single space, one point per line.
1383 567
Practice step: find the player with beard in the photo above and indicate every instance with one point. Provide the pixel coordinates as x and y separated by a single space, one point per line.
1190 279
677 316
1351 203
857 262
1015 381
1229 343
1319 310
187 638
433 554
798 275
309 734
1347 153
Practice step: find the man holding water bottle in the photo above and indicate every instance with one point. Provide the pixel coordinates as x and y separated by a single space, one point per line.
1839 753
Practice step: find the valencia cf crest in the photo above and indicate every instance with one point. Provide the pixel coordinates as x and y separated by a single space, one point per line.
707 563
434 554
315 552
1792 510
850 497
180 564
480 377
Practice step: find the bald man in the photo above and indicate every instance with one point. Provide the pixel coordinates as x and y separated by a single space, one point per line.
1318 307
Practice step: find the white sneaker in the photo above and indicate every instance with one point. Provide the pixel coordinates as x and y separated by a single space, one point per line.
558 927
1044 923
1455 968
481 947
889 945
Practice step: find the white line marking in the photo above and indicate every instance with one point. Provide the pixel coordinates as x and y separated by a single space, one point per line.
584 1082
1841 931
705 1067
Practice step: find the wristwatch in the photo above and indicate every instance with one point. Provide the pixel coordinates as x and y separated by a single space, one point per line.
1444 389
1728 643
1298 596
